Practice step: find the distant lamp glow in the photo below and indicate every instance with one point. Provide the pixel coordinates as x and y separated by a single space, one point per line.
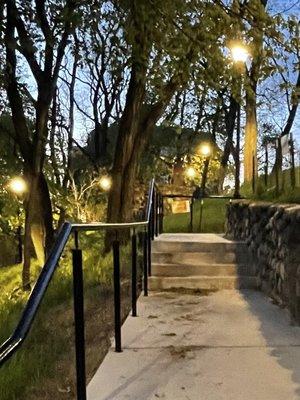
17 185
105 183
205 150
239 53
191 173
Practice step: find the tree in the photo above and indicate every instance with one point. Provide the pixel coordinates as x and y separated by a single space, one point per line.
167 40
37 40
258 20
104 52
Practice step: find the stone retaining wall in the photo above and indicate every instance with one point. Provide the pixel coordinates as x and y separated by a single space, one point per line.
272 233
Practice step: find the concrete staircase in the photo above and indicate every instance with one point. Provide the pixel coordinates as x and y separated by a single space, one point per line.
200 261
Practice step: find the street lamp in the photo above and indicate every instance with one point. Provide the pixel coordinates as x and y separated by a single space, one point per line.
105 183
190 173
18 187
205 150
239 54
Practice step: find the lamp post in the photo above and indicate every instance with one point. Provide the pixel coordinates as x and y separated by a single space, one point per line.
239 55
205 150
18 187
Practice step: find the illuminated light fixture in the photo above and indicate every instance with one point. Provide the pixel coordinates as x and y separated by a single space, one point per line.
190 172
239 53
105 183
205 150
17 185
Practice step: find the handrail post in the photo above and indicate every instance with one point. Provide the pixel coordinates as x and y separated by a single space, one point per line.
162 215
152 218
133 274
117 295
76 239
191 214
153 214
145 257
156 212
159 213
79 324
149 238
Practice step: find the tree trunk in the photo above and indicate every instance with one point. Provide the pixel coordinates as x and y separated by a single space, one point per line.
138 121
230 117
38 223
204 175
178 172
250 151
134 134
68 171
288 126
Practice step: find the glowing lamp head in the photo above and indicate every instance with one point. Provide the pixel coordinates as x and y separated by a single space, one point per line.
105 183
17 185
239 53
205 150
191 173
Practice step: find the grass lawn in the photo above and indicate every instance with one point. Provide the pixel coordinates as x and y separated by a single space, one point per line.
45 365
213 218
285 194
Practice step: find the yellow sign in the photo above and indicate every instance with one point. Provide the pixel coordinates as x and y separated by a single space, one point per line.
180 206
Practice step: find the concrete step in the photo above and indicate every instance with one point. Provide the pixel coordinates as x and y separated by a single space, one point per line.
173 270
160 245
196 258
203 282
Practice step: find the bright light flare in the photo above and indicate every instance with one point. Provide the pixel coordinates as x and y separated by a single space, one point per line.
239 53
190 172
105 183
205 150
17 185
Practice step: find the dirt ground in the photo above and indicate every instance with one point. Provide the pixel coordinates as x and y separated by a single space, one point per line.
99 326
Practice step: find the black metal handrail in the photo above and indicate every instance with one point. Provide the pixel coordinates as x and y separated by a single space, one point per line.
152 226
192 201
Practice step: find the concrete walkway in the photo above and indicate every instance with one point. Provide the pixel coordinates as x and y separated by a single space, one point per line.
233 345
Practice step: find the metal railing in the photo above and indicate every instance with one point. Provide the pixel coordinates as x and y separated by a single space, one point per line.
151 227
192 199
180 196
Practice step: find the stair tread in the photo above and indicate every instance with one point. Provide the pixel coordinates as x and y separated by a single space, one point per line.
204 277
193 252
201 243
214 264
203 282
207 261
197 246
192 258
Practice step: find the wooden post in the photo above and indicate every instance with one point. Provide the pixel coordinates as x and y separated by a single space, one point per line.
266 165
298 184
201 215
276 170
293 172
237 156
253 173
191 214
